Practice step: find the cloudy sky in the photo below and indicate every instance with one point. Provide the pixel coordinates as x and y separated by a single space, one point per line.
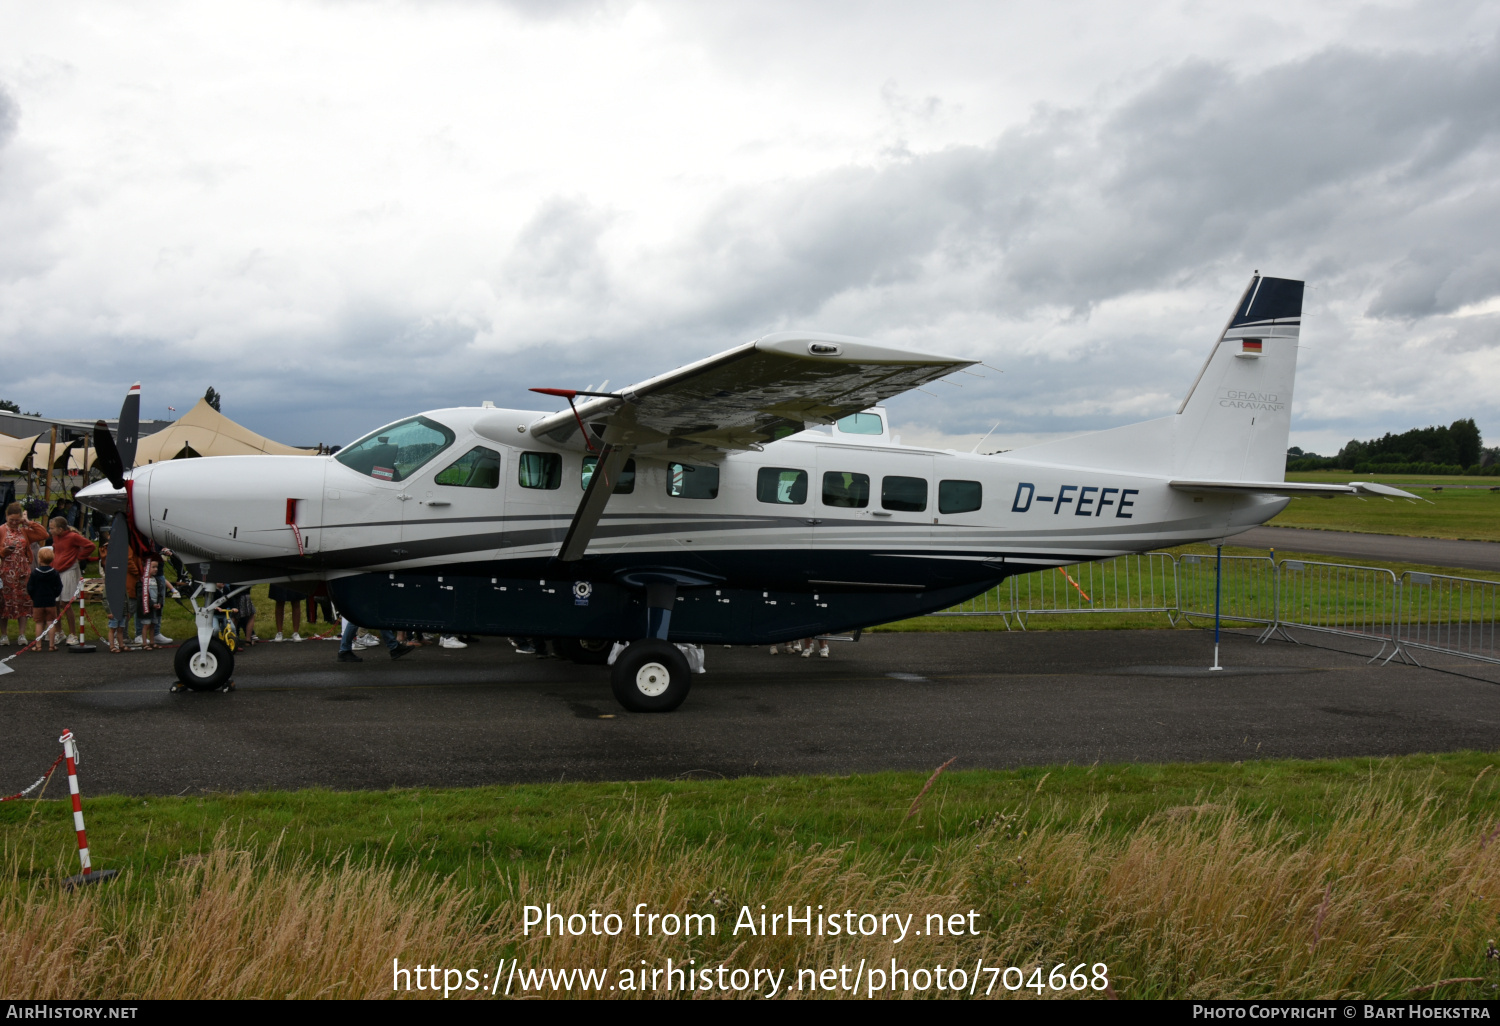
337 213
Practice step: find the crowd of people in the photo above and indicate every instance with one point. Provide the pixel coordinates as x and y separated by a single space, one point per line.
41 564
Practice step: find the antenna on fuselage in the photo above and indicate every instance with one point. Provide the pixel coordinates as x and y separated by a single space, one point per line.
987 434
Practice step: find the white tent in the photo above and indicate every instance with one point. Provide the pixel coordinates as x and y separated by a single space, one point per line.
13 451
204 431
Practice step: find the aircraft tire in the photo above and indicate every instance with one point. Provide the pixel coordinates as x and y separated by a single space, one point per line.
585 651
209 674
650 676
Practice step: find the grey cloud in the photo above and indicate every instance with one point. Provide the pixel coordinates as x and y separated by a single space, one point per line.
557 252
1203 168
10 117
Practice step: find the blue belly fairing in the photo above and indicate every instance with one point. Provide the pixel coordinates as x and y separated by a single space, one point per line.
526 597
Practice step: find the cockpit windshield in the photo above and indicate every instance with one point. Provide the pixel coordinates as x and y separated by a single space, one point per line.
397 450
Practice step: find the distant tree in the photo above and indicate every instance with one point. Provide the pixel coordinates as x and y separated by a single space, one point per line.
1351 454
1466 439
1295 450
10 407
213 398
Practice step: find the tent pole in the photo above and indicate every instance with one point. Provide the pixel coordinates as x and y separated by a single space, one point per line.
51 455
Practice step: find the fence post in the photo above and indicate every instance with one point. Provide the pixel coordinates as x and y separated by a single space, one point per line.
88 876
1218 594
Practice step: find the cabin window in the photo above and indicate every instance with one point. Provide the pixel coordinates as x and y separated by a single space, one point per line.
624 486
959 496
779 484
906 494
686 481
477 468
861 424
842 488
396 451
540 470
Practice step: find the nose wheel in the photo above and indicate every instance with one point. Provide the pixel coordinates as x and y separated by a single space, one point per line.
203 671
650 676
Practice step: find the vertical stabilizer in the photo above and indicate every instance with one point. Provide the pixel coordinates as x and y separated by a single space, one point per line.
1236 419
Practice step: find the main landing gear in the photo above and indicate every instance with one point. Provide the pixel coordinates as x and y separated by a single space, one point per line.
651 675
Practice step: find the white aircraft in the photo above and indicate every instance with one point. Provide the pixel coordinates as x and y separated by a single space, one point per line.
752 497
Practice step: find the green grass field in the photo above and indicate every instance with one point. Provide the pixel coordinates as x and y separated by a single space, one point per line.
1345 878
1465 513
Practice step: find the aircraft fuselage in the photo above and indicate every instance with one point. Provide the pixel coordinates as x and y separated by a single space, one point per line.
823 531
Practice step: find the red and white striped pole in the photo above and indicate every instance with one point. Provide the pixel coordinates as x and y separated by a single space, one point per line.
70 756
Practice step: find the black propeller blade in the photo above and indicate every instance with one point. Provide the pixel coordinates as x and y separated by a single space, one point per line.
106 456
122 457
116 567
130 425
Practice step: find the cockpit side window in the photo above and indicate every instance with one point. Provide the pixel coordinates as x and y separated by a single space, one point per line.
396 451
477 468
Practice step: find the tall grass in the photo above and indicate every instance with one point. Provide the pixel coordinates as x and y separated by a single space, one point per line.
1216 899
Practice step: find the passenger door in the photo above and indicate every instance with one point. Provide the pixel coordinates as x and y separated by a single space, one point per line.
457 507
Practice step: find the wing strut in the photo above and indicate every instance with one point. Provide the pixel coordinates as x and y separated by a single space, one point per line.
601 487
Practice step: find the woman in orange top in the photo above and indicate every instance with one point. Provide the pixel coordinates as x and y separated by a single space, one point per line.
16 536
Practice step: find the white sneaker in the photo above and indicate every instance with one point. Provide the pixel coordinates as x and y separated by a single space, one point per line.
278 637
823 652
4 640
449 641
72 639
806 652
367 640
138 640
161 639
296 636
775 650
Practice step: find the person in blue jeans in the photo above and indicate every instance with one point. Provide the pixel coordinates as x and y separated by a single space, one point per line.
346 643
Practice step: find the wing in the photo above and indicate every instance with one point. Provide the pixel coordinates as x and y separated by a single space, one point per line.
750 395
1295 489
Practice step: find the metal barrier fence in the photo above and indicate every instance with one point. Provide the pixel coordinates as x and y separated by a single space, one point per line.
1455 616
1248 592
1452 615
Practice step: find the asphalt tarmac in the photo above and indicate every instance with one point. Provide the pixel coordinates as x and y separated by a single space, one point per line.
892 701
1467 555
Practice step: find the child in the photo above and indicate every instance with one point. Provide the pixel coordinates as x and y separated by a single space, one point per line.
44 587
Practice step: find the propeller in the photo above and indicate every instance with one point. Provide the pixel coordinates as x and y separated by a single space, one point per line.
106 456
113 461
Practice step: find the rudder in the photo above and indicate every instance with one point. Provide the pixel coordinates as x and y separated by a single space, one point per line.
1236 419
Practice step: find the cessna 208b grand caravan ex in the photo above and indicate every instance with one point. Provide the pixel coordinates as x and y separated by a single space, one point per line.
752 497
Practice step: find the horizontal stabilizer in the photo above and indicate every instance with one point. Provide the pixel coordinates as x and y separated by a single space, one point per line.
1294 489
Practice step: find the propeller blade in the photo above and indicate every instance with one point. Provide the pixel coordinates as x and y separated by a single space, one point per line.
130 426
106 456
116 568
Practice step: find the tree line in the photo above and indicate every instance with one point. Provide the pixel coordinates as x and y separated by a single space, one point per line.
1455 449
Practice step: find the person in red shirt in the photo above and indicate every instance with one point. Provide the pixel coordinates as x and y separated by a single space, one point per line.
68 548
17 534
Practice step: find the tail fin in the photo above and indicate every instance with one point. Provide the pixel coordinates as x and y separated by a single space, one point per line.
1234 423
1235 420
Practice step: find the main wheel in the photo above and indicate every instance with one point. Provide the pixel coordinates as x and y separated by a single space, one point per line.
205 671
650 676
587 651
